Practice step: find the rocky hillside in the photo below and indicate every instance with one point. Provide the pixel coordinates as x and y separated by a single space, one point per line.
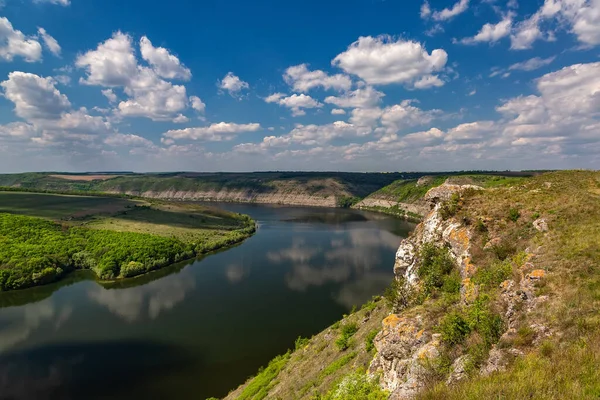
406 197
496 296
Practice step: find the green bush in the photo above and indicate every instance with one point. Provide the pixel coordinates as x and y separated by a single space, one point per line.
399 295
348 330
301 343
454 328
435 268
450 207
369 345
356 386
259 386
514 214
493 274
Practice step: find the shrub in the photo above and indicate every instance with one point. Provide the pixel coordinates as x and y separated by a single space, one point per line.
454 328
301 343
348 330
337 364
435 264
399 295
369 345
450 207
480 226
514 214
494 274
357 386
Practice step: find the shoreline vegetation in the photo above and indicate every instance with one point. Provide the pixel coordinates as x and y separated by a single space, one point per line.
44 237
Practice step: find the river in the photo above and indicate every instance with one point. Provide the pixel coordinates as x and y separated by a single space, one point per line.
200 328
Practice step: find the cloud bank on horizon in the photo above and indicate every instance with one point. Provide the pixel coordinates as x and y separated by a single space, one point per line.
367 86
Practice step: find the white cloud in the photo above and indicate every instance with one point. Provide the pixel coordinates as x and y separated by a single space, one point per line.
580 17
532 64
472 131
110 95
14 43
233 84
301 79
364 97
113 64
338 111
296 102
447 13
384 60
63 79
425 11
428 81
181 119
405 115
163 62
215 132
197 104
274 98
34 97
491 32
50 42
129 140
59 2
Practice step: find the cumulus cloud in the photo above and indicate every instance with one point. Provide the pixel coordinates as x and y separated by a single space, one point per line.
128 140
34 97
383 60
579 17
338 111
447 13
113 64
491 33
50 42
296 102
301 79
163 62
110 95
233 84
214 133
362 97
14 43
197 104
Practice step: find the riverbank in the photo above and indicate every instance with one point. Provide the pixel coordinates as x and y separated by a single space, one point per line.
46 236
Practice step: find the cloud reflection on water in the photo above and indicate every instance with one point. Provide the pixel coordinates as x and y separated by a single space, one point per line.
152 298
347 259
18 323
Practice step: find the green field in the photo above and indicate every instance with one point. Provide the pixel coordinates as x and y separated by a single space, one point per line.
45 236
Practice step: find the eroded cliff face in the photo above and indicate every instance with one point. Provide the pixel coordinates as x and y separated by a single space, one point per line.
240 196
407 343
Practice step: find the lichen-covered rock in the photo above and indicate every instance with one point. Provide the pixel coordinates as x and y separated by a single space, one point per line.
445 191
458 370
540 224
403 351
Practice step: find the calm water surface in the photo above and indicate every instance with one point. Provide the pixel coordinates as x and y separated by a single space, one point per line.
200 328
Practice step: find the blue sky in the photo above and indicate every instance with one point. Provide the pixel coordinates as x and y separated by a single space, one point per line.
360 85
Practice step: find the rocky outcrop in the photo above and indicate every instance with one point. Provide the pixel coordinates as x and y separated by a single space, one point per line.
383 202
405 349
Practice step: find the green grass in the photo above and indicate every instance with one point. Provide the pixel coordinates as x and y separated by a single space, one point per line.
259 386
59 207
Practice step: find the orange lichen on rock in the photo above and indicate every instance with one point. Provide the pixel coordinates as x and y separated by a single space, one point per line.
468 291
537 274
459 239
469 268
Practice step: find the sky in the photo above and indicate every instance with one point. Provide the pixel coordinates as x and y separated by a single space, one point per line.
353 85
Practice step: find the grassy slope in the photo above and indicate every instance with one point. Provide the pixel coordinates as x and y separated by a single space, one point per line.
566 364
563 366
317 366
